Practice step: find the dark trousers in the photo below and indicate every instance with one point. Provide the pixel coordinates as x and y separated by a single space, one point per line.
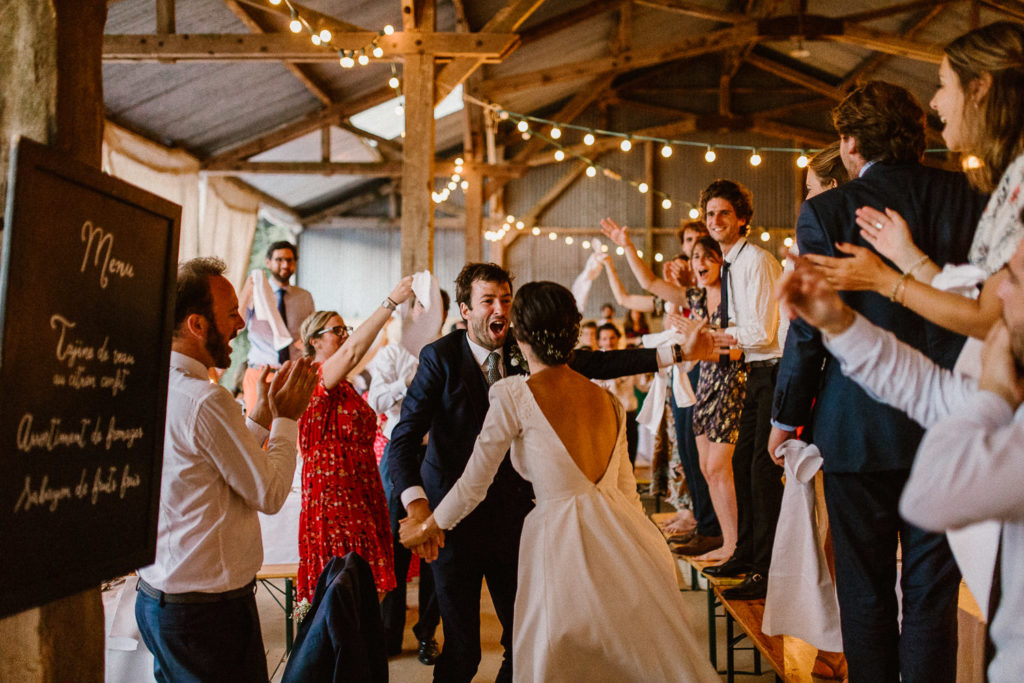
758 480
393 607
459 571
703 511
864 518
632 435
219 641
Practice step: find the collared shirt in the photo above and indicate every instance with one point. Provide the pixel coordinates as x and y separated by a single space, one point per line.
298 306
391 371
968 467
480 354
215 478
753 312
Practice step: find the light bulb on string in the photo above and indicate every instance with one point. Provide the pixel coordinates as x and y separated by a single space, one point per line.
520 225
388 29
315 39
802 160
556 133
464 184
591 171
666 203
523 126
588 139
393 82
347 62
659 257
694 214
755 158
559 155
452 185
586 244
568 239
510 218
710 156
639 252
626 144
604 248
643 187
666 150
765 236
455 176
459 161
971 163
275 3
325 35
535 231
295 25
552 236
788 241
364 59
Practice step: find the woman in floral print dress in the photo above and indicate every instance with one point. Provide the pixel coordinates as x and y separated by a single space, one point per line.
343 504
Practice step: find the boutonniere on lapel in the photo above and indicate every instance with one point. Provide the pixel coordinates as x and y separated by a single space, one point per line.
515 357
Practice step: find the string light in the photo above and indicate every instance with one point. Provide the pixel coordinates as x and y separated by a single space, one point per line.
275 3
626 144
802 160
586 244
694 213
588 139
325 35
346 60
971 163
659 257
591 171
788 241
666 203
765 236
393 82
639 252
710 156
755 158
559 155
643 187
388 29
620 251
552 236
378 51
364 59
535 230
523 126
520 225
556 133
295 25
568 239
315 38
666 151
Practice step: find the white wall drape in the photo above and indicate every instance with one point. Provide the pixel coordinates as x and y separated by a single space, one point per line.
217 217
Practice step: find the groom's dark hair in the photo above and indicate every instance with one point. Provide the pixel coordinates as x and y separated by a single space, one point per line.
471 272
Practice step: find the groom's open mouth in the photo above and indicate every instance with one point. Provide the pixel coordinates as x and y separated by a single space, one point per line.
498 327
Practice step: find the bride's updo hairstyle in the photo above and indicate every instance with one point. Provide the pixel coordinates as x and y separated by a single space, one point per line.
544 316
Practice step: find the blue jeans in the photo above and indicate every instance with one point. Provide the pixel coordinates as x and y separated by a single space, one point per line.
218 641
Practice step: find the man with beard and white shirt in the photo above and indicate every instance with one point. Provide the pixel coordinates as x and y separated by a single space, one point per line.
448 398
294 303
196 607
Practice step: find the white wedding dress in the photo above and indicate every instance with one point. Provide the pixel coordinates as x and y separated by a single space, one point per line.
597 597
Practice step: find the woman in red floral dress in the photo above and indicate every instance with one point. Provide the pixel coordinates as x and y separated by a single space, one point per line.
343 504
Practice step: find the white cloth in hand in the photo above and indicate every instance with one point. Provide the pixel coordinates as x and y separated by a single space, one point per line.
264 304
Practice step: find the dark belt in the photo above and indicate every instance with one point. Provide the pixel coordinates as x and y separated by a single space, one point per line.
771 362
196 598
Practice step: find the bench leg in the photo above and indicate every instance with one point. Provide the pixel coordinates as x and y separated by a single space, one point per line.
730 653
694 584
712 632
289 617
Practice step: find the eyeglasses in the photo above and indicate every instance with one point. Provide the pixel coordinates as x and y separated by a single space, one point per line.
337 331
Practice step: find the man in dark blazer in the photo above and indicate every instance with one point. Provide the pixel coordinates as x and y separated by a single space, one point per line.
448 399
867 447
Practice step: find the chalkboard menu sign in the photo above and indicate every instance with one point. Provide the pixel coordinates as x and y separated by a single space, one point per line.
86 311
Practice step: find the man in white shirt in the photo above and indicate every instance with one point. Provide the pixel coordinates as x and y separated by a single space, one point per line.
750 320
969 465
196 607
295 305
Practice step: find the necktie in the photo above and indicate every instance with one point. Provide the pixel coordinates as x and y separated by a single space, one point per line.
282 354
493 371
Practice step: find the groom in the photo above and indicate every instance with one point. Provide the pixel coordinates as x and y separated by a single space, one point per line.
448 399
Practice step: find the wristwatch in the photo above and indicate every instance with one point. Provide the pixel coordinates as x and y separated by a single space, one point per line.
389 304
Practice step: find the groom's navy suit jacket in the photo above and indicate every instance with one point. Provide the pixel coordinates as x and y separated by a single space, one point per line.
448 399
854 432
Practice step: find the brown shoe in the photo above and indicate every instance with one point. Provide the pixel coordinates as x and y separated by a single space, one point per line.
698 545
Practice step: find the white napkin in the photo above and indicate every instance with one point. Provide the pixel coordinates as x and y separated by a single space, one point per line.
419 332
264 304
801 598
584 281
963 280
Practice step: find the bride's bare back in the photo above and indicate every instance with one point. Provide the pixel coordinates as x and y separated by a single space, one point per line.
582 415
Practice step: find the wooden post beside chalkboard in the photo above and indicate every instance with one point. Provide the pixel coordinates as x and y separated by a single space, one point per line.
86 312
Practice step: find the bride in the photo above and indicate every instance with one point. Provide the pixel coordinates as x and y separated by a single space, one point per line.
597 597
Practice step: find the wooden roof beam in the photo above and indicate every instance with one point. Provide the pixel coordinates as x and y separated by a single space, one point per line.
507 19
275 47
1012 8
371 169
567 19
303 73
911 29
315 18
795 76
329 115
902 8
693 9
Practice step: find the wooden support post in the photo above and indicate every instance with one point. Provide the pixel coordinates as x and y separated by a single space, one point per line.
417 165
325 144
51 90
165 16
649 201
474 195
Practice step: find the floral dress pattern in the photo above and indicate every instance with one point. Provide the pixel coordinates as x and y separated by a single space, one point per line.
722 386
343 505
1001 226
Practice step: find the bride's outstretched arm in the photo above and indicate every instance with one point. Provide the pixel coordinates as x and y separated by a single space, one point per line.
501 426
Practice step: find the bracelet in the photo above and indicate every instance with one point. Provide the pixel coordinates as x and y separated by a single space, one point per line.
901 285
389 303
677 353
923 260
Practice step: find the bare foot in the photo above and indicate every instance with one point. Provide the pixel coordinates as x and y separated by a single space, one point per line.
680 527
717 556
830 666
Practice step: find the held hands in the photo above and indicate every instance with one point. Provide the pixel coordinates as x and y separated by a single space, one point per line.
999 372
864 271
616 233
804 293
889 234
402 291
419 533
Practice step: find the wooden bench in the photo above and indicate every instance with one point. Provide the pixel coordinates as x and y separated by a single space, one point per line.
288 572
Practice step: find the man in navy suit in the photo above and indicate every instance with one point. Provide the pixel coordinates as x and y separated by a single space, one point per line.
448 398
868 447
